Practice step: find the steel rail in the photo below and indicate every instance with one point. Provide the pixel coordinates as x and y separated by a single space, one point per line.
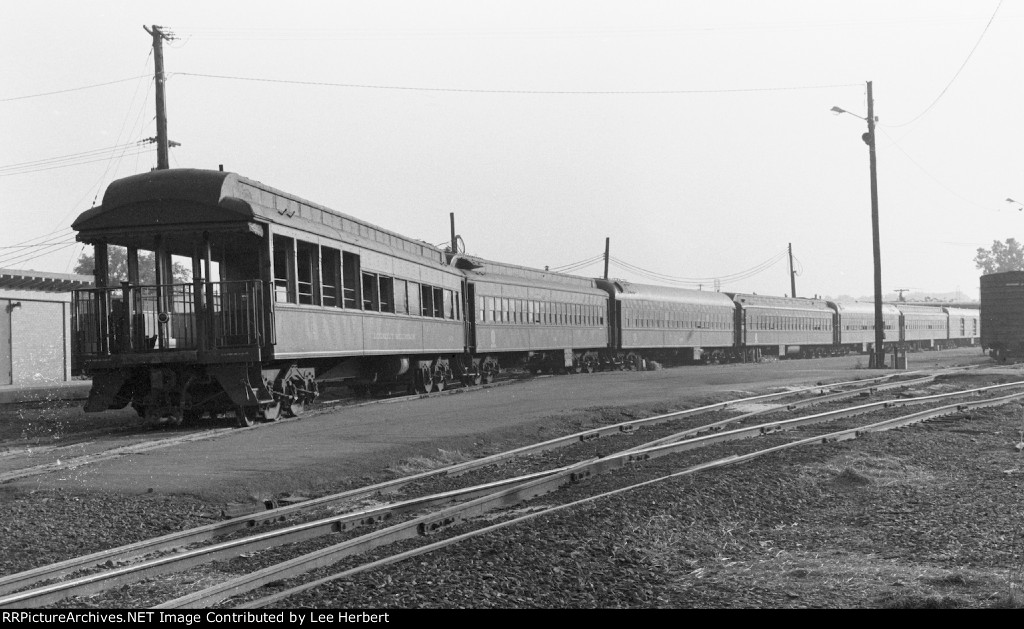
95 583
176 540
819 417
515 495
841 435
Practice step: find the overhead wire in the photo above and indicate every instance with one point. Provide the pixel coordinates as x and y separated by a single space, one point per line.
565 268
71 89
955 74
699 281
512 91
65 161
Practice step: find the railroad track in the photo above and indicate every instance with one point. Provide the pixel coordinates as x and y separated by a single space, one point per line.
476 500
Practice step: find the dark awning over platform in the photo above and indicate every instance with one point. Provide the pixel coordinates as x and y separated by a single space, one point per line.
14 279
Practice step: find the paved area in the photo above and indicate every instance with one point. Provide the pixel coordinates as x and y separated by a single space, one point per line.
74 390
326 449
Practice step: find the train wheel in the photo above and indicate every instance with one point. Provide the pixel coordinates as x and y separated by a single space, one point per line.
422 381
296 407
245 417
439 384
632 362
490 370
271 412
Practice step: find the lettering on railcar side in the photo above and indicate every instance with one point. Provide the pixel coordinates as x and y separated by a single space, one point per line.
393 336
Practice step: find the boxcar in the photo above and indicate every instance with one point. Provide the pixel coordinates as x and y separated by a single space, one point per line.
1002 314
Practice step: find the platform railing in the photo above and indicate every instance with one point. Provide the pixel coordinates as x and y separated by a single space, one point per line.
168 317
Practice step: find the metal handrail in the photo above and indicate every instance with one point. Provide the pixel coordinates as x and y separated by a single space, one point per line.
168 317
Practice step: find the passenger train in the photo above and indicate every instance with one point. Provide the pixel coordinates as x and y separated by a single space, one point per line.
285 294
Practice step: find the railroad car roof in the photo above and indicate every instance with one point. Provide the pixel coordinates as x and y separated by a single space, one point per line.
584 287
523 274
190 198
862 307
1011 278
925 310
963 312
785 303
626 291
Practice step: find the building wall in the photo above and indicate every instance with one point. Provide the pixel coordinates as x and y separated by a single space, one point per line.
39 341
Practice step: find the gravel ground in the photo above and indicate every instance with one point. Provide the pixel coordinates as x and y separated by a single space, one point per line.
928 516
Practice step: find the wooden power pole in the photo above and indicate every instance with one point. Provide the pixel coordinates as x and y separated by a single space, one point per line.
162 144
792 273
607 248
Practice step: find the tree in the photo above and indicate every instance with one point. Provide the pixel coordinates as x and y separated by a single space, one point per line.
117 263
1008 256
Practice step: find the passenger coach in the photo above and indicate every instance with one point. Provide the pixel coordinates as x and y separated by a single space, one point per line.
253 295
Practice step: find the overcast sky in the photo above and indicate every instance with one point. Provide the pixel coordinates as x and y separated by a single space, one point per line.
698 135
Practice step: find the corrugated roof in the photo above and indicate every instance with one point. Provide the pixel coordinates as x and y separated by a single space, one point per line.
17 279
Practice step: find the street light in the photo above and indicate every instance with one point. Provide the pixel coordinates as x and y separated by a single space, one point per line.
878 357
1021 208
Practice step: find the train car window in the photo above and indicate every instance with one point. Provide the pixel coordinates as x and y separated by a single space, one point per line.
449 304
414 298
386 293
371 299
438 303
401 297
350 275
331 274
457 306
308 273
489 309
427 300
284 269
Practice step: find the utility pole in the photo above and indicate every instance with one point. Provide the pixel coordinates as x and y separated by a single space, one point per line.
607 247
869 138
792 273
162 162
455 244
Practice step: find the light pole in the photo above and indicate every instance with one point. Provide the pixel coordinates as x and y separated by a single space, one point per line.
1021 208
878 357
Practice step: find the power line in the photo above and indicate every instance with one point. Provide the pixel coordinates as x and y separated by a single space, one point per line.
511 91
29 256
70 89
565 268
730 278
74 163
71 157
956 74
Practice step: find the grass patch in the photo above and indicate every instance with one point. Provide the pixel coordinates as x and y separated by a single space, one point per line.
417 464
853 469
